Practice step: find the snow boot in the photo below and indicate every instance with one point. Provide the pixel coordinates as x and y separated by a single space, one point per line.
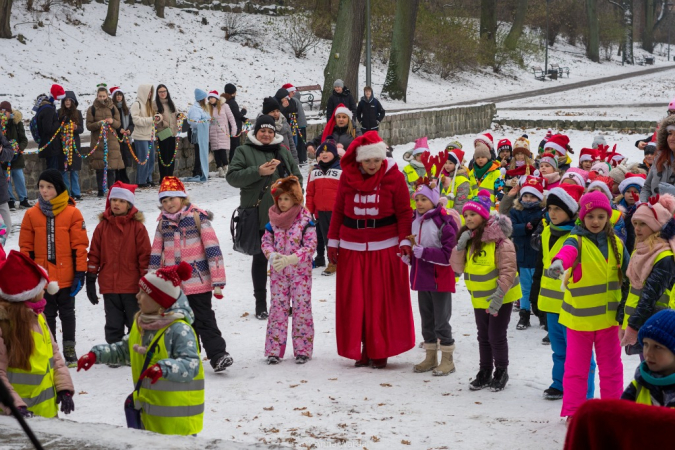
330 270
482 380
364 361
221 172
524 322
431 360
273 360
319 261
12 206
262 316
24 204
380 363
69 353
543 321
223 363
301 359
499 379
553 394
546 340
447 365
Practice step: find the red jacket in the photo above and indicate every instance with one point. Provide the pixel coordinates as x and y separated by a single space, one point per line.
119 252
380 196
322 188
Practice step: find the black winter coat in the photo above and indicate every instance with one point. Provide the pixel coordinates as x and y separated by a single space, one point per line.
239 115
340 136
16 131
6 155
79 129
47 124
369 113
335 99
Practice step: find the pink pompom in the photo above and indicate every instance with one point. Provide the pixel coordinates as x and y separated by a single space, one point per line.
668 202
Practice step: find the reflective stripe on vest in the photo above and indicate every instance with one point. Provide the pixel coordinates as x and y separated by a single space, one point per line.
481 277
459 180
592 302
551 294
488 184
167 407
635 294
36 386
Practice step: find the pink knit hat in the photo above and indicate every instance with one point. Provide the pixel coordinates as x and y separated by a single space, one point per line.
579 176
479 204
655 213
593 200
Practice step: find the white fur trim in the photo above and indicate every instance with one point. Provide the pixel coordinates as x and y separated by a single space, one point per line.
123 194
344 110
212 95
419 151
601 185
558 148
377 150
25 295
485 141
631 180
533 191
60 97
335 243
585 158
565 197
172 194
670 128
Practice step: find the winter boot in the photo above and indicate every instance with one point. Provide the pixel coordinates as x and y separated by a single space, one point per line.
223 363
543 320
380 363
364 361
431 360
499 379
24 204
301 359
482 380
330 270
221 173
524 322
273 360
447 365
69 353
319 261
12 206
553 394
546 340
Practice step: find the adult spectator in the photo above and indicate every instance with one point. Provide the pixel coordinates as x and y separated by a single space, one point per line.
661 176
103 110
123 131
340 95
368 231
222 127
642 143
301 143
200 120
144 118
6 155
288 108
272 108
258 163
370 112
48 125
16 132
167 144
70 165
340 129
239 116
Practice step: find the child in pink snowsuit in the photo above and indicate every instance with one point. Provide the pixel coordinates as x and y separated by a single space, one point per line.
289 244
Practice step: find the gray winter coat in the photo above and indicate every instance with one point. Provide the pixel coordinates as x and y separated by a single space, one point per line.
6 155
667 175
179 339
302 120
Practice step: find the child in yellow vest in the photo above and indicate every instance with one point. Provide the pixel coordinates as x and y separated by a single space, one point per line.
597 261
488 259
456 182
163 351
485 169
31 366
415 169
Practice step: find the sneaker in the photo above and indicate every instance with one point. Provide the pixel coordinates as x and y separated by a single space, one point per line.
553 394
69 354
499 379
273 360
546 340
524 322
262 316
302 359
12 206
482 380
330 270
114 366
78 198
24 204
223 363
319 261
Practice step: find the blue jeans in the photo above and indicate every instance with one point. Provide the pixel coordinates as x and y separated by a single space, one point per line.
72 180
19 182
526 275
145 150
557 333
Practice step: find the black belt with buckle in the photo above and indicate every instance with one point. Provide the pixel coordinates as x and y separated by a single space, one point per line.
361 224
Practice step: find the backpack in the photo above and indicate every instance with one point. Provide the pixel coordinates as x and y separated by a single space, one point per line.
34 129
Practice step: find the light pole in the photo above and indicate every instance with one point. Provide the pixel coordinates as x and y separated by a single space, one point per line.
368 55
546 40
670 7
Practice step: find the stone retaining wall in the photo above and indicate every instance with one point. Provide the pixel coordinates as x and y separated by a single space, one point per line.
624 126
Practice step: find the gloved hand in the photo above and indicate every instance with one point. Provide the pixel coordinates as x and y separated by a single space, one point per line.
405 259
91 288
25 413
78 282
555 270
463 240
154 373
629 337
65 398
86 362
529 226
281 262
333 255
406 250
496 301
218 292
418 250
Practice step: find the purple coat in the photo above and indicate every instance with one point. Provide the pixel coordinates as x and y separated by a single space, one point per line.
432 272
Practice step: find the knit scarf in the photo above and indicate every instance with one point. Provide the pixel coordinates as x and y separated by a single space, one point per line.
480 172
284 220
37 307
561 228
55 206
325 166
124 117
642 260
175 217
551 178
153 322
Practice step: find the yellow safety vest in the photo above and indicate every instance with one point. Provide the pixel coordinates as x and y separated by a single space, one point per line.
591 304
36 386
634 295
481 276
411 176
551 294
642 395
167 407
488 184
459 180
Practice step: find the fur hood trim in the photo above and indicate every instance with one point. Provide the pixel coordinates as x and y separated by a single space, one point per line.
498 228
138 217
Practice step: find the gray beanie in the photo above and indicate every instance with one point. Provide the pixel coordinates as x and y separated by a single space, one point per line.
338 83
598 140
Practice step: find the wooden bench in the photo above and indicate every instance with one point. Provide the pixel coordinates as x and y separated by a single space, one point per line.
561 70
647 60
538 73
305 91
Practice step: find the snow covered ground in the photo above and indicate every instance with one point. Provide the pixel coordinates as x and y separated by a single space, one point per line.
328 403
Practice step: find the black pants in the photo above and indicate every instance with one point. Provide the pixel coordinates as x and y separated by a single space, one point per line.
435 312
197 169
119 313
121 175
167 148
492 342
259 276
221 157
110 180
234 143
206 326
302 147
63 305
322 231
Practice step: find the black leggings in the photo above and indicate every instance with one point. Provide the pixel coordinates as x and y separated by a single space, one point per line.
111 179
259 276
63 305
221 157
167 147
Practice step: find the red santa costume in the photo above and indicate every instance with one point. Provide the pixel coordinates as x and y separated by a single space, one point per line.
371 219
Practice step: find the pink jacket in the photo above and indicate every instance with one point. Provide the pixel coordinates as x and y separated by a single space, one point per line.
299 239
223 127
62 378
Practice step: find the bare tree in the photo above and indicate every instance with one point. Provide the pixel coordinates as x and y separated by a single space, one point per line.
235 26
511 41
111 18
5 16
300 35
627 7
396 82
652 21
593 46
159 8
488 28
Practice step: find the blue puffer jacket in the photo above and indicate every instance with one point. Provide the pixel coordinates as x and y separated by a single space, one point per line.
520 217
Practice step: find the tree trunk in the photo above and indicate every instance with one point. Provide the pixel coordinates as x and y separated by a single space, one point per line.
648 32
511 41
110 22
488 29
345 51
593 48
5 16
159 8
628 24
396 83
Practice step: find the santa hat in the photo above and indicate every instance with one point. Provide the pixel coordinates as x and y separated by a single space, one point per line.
213 94
579 176
549 158
636 180
485 138
522 145
588 154
122 191
656 212
558 143
604 183
549 134
421 146
172 187
504 144
289 87
369 145
22 279
57 92
114 90
163 285
566 197
456 155
342 109
330 125
615 158
532 185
